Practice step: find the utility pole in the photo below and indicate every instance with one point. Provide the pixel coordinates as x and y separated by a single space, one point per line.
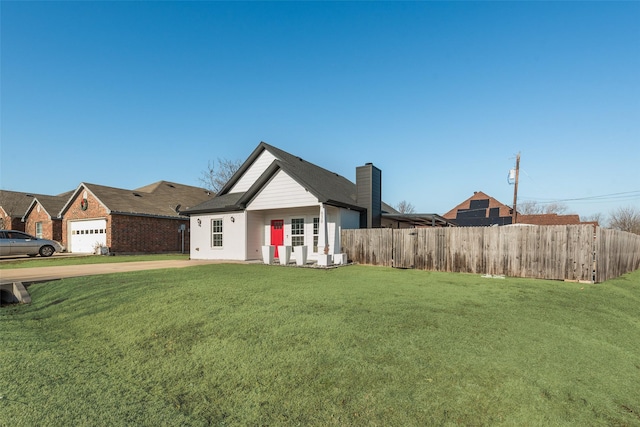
515 190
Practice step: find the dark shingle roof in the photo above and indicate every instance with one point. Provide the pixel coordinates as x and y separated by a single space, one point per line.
220 203
163 198
16 203
51 204
479 195
328 187
176 196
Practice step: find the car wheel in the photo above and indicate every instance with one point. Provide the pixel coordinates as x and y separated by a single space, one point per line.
47 251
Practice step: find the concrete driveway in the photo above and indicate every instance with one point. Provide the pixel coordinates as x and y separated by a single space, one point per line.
43 274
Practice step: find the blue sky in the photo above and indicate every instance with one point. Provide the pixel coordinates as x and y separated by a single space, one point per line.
439 95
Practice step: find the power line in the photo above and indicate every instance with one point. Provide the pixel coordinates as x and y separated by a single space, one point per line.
622 196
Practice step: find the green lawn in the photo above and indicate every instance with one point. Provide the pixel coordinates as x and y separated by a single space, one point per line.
266 345
27 262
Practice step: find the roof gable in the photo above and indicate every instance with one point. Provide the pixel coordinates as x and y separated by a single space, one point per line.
253 172
479 195
328 187
480 210
163 198
16 203
282 191
52 205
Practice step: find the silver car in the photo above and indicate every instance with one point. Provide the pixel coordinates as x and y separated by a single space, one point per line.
19 243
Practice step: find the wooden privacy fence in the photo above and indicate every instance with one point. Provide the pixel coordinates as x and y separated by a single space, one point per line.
561 252
617 253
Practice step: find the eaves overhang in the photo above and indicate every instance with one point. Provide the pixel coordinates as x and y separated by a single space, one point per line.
424 220
234 208
176 217
32 205
340 204
222 203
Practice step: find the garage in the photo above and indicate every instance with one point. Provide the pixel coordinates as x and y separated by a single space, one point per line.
87 235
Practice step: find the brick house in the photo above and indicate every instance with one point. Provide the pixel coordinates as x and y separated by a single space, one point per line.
144 220
483 210
42 218
13 207
549 219
480 210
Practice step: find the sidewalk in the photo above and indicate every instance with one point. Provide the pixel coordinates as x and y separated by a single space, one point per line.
43 274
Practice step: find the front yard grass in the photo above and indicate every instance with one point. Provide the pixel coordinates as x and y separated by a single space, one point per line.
266 345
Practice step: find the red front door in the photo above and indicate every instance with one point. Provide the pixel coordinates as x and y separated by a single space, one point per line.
277 234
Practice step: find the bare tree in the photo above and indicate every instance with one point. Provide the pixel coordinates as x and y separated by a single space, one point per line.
596 217
215 177
556 208
405 207
531 207
626 219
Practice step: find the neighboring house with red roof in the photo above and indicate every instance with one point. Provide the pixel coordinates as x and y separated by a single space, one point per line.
549 219
480 210
483 210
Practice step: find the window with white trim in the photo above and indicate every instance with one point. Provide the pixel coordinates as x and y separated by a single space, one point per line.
39 230
216 233
316 232
297 232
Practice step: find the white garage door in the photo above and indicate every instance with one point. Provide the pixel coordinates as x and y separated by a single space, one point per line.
86 235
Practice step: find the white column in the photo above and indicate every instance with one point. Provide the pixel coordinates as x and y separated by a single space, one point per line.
324 230
324 260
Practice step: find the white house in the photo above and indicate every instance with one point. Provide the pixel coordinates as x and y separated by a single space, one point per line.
278 199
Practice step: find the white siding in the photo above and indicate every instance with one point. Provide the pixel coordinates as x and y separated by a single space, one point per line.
345 219
233 237
282 192
333 236
252 174
349 219
244 236
337 219
255 237
287 215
